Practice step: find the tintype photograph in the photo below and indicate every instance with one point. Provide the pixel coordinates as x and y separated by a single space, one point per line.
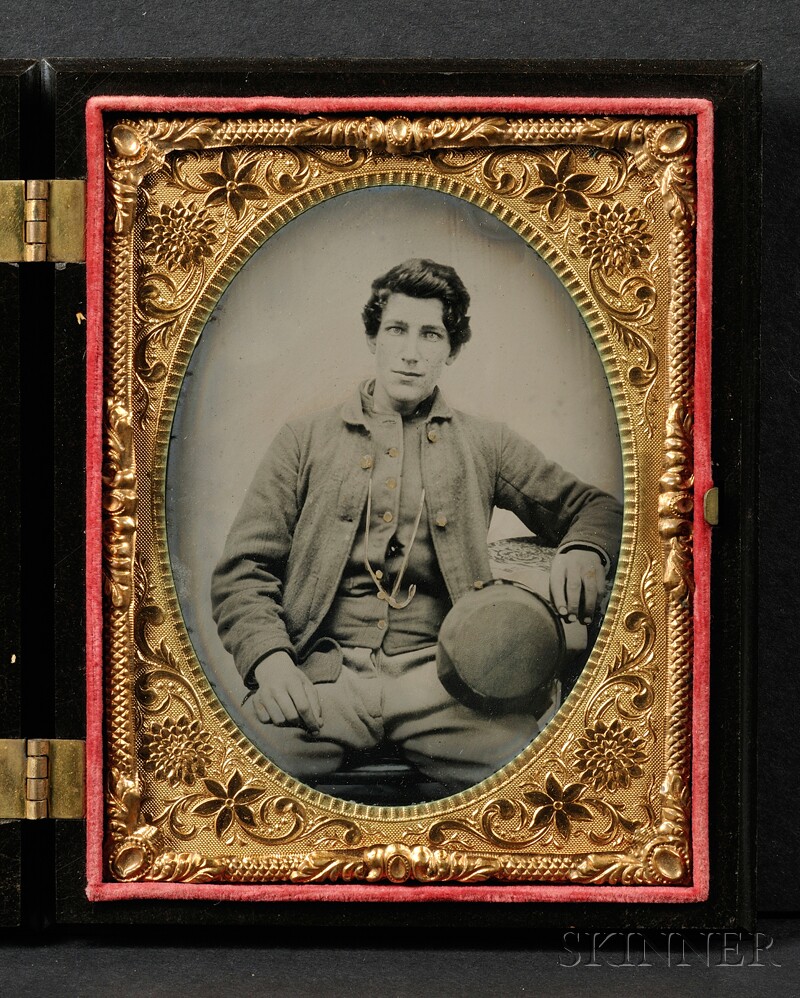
394 495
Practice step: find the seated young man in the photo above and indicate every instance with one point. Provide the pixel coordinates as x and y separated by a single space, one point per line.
364 524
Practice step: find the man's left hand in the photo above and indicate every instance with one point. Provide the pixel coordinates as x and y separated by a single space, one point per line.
577 579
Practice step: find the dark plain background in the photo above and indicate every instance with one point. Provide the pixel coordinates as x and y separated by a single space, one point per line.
386 961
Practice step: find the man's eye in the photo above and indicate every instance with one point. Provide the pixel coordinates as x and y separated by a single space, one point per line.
395 329
431 334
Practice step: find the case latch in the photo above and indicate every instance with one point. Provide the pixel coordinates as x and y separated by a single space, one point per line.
711 506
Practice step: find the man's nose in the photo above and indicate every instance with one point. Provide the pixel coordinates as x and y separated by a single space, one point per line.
411 349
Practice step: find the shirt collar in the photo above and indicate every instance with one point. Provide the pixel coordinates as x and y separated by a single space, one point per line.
353 409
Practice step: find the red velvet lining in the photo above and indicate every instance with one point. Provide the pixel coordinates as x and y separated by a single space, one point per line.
95 196
100 890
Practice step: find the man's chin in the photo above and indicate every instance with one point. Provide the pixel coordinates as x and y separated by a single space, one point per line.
407 396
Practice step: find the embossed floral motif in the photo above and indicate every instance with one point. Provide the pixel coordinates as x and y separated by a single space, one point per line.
615 237
560 187
610 756
177 751
180 235
229 803
558 805
232 184
536 859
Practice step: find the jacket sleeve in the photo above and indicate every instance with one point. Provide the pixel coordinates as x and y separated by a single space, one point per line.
559 508
247 584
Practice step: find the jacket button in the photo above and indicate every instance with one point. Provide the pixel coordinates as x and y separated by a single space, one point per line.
441 520
387 517
366 462
391 483
393 452
478 584
382 625
433 436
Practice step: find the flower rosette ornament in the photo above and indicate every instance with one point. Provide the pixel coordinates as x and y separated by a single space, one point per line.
177 751
615 238
179 235
610 756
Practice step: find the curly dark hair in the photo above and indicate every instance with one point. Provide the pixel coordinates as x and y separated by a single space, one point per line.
422 279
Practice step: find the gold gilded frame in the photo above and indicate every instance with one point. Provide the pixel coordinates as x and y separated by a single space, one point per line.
602 797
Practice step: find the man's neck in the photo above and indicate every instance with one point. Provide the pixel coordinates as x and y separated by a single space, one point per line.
381 402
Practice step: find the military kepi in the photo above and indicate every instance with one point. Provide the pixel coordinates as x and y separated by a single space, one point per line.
500 647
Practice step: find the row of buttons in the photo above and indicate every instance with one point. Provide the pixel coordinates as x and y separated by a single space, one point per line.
441 519
367 462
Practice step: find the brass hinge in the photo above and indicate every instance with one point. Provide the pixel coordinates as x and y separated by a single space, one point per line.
42 220
41 778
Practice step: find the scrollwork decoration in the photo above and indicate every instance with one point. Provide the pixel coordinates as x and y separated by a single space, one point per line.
135 843
627 689
139 148
241 812
398 863
543 816
187 868
616 241
657 856
119 506
676 503
660 150
159 684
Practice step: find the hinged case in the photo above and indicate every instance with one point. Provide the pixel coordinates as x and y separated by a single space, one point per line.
54 698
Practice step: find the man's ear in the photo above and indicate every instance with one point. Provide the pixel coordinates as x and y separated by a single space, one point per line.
371 342
453 354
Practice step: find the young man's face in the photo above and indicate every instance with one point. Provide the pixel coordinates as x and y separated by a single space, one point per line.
411 348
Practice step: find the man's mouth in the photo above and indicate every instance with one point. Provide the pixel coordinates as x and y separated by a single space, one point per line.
409 374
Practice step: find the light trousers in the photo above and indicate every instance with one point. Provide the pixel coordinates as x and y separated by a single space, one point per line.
378 699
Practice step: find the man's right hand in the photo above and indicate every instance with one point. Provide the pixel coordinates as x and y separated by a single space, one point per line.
284 696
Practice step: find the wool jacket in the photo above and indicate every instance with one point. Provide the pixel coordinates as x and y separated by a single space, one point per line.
289 544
